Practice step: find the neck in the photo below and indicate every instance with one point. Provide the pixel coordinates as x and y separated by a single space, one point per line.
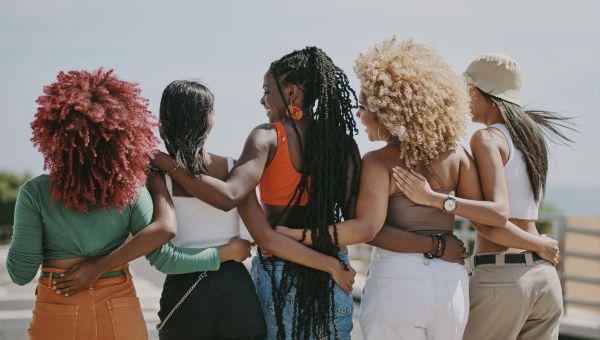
493 117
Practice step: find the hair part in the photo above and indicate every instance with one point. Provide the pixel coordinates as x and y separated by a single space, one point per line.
95 133
185 107
529 130
328 149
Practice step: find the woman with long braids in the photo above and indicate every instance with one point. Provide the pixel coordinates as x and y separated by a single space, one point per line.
306 163
513 295
413 101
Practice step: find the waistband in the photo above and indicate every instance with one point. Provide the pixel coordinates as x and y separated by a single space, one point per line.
48 272
501 259
103 276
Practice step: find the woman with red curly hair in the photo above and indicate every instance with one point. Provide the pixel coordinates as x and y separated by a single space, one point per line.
95 132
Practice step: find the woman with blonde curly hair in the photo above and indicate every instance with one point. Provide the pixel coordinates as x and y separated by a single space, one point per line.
417 287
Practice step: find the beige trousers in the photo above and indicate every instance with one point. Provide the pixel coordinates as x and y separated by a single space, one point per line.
514 301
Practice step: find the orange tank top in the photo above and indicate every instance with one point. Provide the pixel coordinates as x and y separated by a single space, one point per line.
280 178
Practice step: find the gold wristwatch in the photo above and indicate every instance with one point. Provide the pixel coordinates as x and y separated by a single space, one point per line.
449 203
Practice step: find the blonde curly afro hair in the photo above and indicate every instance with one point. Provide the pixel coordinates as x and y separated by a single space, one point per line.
416 96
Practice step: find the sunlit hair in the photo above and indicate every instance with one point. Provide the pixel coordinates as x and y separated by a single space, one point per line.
416 96
95 133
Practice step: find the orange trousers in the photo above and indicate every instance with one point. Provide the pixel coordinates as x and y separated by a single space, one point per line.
110 310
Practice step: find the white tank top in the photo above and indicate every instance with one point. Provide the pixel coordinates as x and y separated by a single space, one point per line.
522 205
200 225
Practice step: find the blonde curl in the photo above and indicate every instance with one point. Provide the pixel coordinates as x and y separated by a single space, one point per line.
416 96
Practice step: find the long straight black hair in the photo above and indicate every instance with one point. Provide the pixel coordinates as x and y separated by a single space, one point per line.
185 107
529 130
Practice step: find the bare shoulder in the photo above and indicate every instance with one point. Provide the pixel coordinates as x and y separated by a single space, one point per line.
375 157
263 134
486 139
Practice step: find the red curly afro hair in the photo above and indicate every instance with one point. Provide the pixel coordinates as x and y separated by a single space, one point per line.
95 132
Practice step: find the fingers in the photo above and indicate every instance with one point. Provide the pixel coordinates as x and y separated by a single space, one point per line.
409 176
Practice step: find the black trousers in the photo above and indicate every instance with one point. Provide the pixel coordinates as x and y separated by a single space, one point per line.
224 305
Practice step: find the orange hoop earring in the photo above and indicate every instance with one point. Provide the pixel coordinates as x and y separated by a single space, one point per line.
295 112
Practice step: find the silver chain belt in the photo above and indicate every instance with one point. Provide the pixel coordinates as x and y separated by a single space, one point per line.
162 324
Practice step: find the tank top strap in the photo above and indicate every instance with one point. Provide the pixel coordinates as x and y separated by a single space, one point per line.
282 145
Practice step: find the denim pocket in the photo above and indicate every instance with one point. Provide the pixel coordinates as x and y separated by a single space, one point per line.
57 321
127 318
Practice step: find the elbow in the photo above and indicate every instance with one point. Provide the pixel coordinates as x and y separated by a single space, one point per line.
371 232
226 206
501 217
227 202
167 229
265 242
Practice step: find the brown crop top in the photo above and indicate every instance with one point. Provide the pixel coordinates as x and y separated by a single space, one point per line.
404 214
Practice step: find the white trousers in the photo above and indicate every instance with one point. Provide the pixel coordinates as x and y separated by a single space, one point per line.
407 296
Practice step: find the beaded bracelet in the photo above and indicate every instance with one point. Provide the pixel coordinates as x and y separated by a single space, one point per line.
441 245
431 254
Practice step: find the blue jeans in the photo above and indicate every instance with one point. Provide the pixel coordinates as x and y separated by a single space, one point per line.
343 304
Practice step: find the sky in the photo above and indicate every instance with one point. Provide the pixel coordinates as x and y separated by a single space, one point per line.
229 45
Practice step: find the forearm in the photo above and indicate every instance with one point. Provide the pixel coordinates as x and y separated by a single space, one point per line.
485 212
278 244
401 241
171 259
349 232
221 195
510 236
288 249
22 266
144 242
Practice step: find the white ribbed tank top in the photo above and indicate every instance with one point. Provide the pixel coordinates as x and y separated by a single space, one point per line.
522 205
200 225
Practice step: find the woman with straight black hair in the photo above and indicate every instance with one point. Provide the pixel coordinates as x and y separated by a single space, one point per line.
306 162
196 304
512 295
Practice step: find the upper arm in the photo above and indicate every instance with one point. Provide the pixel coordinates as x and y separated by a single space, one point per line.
141 211
248 170
373 195
469 186
487 156
26 251
164 209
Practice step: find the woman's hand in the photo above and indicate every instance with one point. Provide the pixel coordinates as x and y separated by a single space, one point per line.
237 249
343 277
79 277
549 250
163 162
413 185
455 250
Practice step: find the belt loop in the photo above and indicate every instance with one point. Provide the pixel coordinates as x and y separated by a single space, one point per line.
500 259
127 274
50 279
529 259
471 263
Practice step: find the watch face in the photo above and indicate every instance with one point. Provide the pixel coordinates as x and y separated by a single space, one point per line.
449 205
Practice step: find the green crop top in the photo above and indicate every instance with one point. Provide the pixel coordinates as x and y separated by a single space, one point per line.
45 230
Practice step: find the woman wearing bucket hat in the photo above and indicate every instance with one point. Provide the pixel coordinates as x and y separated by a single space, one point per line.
512 295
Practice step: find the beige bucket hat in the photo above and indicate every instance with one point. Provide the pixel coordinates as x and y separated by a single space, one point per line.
496 74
